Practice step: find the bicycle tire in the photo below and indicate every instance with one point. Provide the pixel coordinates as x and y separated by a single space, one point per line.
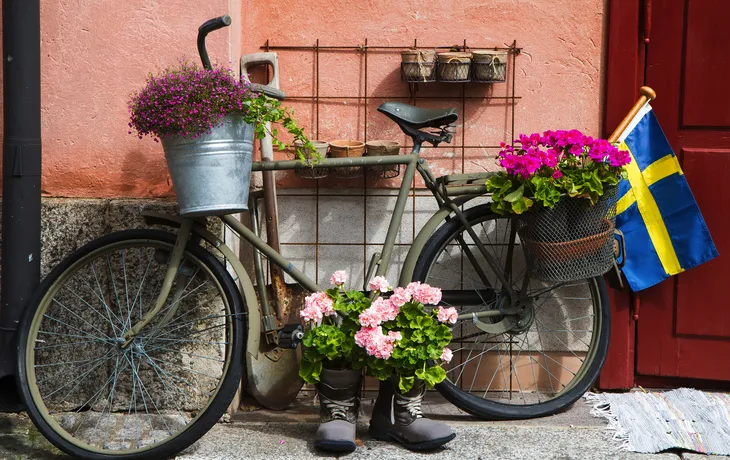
439 243
228 377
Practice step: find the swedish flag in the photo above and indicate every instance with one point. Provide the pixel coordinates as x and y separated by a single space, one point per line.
664 229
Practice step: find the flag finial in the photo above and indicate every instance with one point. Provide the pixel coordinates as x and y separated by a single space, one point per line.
648 92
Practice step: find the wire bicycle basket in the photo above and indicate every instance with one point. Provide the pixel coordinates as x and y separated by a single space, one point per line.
572 241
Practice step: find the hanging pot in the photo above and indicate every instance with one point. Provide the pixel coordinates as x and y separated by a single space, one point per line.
345 149
314 173
454 66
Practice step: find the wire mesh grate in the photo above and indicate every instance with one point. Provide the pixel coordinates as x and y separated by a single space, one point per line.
571 241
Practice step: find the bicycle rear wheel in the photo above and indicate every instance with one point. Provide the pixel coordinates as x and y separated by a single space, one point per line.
549 354
94 398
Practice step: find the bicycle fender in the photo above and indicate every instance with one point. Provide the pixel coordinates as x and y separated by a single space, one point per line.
249 293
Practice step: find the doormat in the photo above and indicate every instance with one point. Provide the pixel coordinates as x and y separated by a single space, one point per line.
679 419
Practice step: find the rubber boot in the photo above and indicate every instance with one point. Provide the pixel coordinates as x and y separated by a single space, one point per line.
398 417
339 404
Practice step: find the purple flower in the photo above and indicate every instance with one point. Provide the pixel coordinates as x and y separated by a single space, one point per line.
186 100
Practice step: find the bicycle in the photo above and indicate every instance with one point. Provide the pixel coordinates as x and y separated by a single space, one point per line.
134 346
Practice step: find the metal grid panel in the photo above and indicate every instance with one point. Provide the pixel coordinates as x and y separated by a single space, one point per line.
359 233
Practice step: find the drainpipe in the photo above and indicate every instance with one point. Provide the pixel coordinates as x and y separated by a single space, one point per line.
21 204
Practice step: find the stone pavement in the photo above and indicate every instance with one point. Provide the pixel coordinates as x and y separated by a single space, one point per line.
262 434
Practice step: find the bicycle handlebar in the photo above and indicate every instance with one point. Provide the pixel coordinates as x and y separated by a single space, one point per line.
206 28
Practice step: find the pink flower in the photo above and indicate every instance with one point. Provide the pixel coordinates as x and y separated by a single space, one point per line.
379 283
412 287
366 336
375 342
380 310
388 310
447 355
312 314
557 174
400 297
447 315
427 295
394 336
338 278
370 318
320 301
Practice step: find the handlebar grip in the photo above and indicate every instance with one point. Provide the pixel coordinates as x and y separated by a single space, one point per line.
207 27
214 24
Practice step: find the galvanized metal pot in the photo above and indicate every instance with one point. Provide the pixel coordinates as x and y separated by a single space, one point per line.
211 173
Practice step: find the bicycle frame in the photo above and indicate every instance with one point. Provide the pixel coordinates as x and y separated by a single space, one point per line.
449 198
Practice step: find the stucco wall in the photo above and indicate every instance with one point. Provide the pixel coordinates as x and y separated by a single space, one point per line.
558 73
93 55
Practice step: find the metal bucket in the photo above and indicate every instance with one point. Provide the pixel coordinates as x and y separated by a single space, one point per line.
211 173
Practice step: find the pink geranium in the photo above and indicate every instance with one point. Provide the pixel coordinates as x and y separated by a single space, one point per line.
447 315
311 314
380 310
425 294
316 306
338 278
375 342
379 283
370 318
400 297
447 355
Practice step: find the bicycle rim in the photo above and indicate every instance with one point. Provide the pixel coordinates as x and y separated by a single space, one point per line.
102 398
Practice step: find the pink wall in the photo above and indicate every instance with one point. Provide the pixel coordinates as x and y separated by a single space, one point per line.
95 53
558 74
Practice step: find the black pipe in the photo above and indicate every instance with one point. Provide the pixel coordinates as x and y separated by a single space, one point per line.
21 214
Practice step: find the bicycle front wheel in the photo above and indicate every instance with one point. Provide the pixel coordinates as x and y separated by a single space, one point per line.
95 397
544 358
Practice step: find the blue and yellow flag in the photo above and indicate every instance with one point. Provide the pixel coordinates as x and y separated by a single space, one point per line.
664 229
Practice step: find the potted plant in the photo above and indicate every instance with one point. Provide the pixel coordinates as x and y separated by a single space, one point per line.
207 121
562 186
396 339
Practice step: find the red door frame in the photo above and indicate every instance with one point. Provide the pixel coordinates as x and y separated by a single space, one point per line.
624 75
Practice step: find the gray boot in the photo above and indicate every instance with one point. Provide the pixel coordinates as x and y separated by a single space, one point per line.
338 401
398 417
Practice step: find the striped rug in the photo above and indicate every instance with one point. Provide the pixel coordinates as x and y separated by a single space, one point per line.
679 419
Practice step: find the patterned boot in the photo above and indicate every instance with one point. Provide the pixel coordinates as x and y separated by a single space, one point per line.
397 417
338 398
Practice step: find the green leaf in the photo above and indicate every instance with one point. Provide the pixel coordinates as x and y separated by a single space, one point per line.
405 383
309 371
431 375
516 195
520 206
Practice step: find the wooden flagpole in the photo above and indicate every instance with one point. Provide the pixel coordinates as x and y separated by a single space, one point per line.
647 94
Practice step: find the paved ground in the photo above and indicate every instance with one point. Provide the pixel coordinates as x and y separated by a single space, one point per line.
262 434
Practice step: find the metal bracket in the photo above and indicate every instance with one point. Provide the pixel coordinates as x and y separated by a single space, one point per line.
275 354
269 323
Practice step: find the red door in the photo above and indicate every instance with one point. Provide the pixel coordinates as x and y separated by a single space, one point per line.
684 323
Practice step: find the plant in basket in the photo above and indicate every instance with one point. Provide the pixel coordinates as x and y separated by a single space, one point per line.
544 167
562 185
206 120
397 339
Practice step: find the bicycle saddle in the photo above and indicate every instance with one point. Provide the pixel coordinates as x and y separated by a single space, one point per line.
417 117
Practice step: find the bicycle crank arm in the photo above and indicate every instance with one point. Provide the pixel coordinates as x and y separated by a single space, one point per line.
175 259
